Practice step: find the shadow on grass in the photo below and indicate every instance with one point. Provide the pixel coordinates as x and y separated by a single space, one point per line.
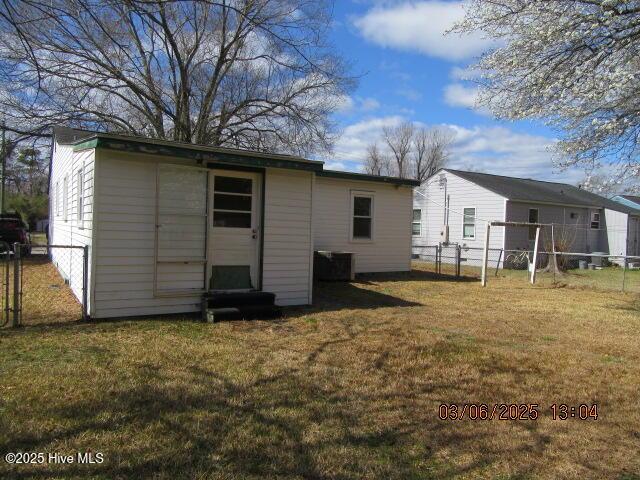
300 422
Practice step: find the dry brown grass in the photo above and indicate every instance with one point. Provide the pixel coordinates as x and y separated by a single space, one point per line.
347 389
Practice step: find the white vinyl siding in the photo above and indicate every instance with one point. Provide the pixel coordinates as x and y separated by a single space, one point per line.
125 251
65 164
65 198
460 194
126 240
288 242
390 249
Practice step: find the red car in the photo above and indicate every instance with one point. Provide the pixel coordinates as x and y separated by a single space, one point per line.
13 229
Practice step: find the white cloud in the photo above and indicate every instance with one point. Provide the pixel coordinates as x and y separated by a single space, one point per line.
410 94
502 151
351 147
421 27
368 104
459 95
490 149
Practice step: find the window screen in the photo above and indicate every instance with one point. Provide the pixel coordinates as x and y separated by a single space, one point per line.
417 221
469 223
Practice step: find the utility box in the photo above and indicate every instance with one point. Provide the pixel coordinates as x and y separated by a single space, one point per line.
444 234
334 266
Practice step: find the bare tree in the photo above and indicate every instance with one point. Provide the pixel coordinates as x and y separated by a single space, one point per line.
253 74
376 162
399 141
431 151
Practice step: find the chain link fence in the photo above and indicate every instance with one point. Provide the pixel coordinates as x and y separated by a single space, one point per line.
587 270
43 284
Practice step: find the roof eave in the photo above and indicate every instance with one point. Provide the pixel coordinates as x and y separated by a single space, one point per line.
200 154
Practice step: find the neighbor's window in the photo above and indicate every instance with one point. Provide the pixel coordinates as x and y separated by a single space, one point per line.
416 224
232 200
362 208
80 193
595 220
533 218
469 223
65 198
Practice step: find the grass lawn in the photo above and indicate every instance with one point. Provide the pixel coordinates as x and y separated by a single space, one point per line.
349 388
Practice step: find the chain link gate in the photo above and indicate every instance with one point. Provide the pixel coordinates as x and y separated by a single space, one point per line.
43 284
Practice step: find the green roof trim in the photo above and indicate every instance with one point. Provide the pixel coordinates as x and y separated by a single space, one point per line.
409 182
203 155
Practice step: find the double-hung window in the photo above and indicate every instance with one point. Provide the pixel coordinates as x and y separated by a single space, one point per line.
416 223
80 201
65 198
362 216
595 220
469 223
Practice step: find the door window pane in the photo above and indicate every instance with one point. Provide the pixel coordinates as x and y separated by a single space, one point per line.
232 185
222 201
231 219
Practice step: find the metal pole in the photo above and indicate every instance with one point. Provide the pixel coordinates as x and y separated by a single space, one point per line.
16 285
7 279
624 272
85 280
535 257
458 259
553 251
498 264
485 256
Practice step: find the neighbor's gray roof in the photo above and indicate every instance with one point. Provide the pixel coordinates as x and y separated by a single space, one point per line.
538 191
633 198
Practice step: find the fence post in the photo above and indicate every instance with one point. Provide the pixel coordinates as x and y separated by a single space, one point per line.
16 285
485 256
624 272
535 257
458 255
85 280
498 264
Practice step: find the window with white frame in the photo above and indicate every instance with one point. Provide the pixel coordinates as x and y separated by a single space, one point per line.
416 224
362 221
533 218
595 220
80 199
58 204
65 198
469 223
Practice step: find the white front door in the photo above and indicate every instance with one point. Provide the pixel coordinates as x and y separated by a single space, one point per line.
234 243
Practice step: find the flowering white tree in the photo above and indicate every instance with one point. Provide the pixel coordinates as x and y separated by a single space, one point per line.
573 63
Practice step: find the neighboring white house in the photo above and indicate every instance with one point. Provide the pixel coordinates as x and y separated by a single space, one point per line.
167 221
453 206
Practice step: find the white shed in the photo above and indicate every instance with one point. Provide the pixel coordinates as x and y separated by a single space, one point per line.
167 222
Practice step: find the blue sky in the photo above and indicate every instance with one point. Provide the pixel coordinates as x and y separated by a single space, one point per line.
410 71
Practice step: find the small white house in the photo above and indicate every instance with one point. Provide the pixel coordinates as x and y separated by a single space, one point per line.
453 206
166 222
